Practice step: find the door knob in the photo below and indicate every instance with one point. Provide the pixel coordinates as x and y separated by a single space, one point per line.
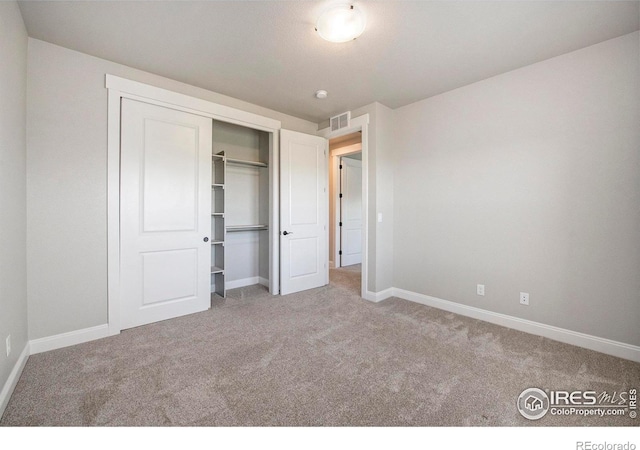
206 239
286 232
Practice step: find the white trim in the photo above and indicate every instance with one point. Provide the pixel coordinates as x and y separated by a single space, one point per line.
347 149
70 338
274 215
360 123
235 284
376 297
12 381
113 210
614 348
119 88
156 95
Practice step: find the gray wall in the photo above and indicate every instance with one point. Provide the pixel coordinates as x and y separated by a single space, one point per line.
528 181
380 196
67 187
13 274
385 191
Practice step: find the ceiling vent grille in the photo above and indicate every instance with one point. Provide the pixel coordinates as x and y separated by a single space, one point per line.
340 121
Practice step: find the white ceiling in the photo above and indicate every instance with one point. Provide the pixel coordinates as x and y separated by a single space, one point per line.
267 52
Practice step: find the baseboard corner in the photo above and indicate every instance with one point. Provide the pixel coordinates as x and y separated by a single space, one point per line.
376 297
14 376
235 284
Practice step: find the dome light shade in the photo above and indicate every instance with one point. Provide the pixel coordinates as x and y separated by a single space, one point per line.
341 23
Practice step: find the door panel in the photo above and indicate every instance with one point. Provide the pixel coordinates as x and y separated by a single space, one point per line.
303 211
303 256
169 275
165 202
351 230
170 190
304 178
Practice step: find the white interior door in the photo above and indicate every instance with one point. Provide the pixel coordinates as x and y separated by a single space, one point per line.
304 209
351 211
165 213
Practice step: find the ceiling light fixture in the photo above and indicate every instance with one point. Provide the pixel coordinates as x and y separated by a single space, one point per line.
321 94
341 23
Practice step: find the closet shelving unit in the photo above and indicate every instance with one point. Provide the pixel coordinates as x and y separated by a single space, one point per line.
218 232
240 208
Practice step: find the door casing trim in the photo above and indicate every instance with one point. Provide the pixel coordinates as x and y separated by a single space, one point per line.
360 123
119 88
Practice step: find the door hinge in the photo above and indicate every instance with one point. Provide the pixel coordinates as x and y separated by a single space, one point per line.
340 253
340 194
340 166
340 224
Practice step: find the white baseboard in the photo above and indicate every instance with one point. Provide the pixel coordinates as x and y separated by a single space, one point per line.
70 338
14 376
378 296
246 282
614 348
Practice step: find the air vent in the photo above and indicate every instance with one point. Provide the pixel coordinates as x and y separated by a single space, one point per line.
340 121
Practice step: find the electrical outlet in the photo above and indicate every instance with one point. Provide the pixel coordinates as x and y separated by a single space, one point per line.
8 345
480 289
524 298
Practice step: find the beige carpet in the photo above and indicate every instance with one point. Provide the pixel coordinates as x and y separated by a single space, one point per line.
322 357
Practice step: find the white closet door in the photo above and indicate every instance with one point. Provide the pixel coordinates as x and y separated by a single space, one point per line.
303 212
165 213
351 217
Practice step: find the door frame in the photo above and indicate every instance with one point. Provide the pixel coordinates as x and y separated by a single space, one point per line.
360 123
119 88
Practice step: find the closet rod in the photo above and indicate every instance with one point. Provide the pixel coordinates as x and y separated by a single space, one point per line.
233 228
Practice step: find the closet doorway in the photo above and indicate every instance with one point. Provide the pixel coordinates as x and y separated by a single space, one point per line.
171 161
